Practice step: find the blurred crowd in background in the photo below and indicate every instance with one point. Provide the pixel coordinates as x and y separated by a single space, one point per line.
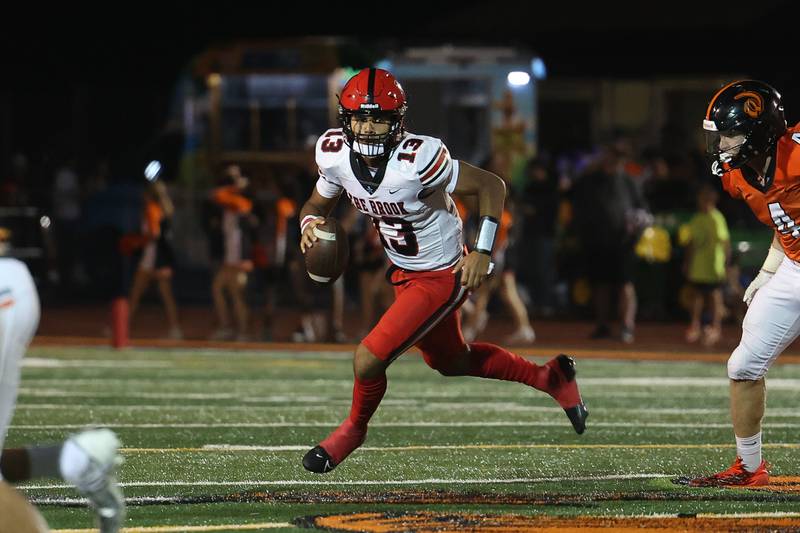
607 234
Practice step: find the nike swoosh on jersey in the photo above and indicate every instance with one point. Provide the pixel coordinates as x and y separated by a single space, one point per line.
393 191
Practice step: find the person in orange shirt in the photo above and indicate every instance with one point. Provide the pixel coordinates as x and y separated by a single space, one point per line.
233 253
758 159
156 257
506 283
272 255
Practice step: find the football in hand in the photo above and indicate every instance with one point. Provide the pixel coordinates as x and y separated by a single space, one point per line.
327 259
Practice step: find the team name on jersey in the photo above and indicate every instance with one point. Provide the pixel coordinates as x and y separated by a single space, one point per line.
377 207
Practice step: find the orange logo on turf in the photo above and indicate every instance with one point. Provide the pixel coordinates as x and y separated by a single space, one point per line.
754 104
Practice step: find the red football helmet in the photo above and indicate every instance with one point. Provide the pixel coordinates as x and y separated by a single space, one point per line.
376 93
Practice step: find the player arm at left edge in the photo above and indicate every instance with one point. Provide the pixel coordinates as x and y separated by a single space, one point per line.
491 192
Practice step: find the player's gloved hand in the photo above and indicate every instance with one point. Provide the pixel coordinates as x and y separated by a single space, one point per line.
308 238
474 269
759 281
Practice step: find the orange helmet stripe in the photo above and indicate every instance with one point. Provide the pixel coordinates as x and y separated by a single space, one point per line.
714 99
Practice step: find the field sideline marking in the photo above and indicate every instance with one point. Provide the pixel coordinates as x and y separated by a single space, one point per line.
229 447
266 425
179 529
346 350
776 514
430 481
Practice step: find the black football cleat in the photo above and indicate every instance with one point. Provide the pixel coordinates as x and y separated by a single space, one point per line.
318 461
578 413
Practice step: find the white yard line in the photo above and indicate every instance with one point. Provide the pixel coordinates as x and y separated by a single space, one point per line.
300 482
423 447
777 514
723 516
41 362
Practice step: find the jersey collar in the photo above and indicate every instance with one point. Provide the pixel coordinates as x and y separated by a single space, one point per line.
754 180
369 182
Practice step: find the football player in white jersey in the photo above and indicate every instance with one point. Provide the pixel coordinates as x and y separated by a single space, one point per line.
87 459
403 182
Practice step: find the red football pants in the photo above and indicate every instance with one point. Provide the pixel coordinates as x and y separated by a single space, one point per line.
424 313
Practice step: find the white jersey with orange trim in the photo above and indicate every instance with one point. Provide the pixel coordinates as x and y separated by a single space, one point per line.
408 198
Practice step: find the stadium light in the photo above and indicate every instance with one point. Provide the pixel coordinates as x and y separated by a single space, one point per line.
152 170
538 68
518 78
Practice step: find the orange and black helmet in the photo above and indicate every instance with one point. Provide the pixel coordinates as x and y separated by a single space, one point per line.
377 93
749 111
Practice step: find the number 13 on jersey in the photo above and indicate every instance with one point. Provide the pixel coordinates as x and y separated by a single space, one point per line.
397 234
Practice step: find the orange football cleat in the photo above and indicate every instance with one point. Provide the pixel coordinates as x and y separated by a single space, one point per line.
735 476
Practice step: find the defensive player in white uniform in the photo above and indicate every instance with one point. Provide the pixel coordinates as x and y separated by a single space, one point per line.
403 182
87 459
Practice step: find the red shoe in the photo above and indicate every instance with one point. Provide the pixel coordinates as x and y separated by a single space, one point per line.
564 389
735 476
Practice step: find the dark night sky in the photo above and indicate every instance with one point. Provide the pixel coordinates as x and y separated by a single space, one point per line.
127 57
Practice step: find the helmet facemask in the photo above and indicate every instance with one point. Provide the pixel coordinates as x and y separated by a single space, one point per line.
371 138
731 148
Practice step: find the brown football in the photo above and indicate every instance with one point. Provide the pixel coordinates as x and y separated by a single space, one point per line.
327 259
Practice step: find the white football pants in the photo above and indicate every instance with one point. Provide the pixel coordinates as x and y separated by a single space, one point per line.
771 324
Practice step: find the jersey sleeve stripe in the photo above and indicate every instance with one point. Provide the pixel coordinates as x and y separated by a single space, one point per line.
432 161
446 168
442 158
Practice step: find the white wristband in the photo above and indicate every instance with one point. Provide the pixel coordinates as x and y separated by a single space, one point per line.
306 221
487 230
773 260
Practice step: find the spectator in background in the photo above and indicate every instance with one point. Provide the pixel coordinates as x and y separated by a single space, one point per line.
230 223
156 257
321 306
277 232
98 179
708 251
14 188
535 214
370 262
66 201
665 190
733 290
505 283
609 216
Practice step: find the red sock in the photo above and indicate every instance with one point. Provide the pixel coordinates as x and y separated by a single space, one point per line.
367 395
490 361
